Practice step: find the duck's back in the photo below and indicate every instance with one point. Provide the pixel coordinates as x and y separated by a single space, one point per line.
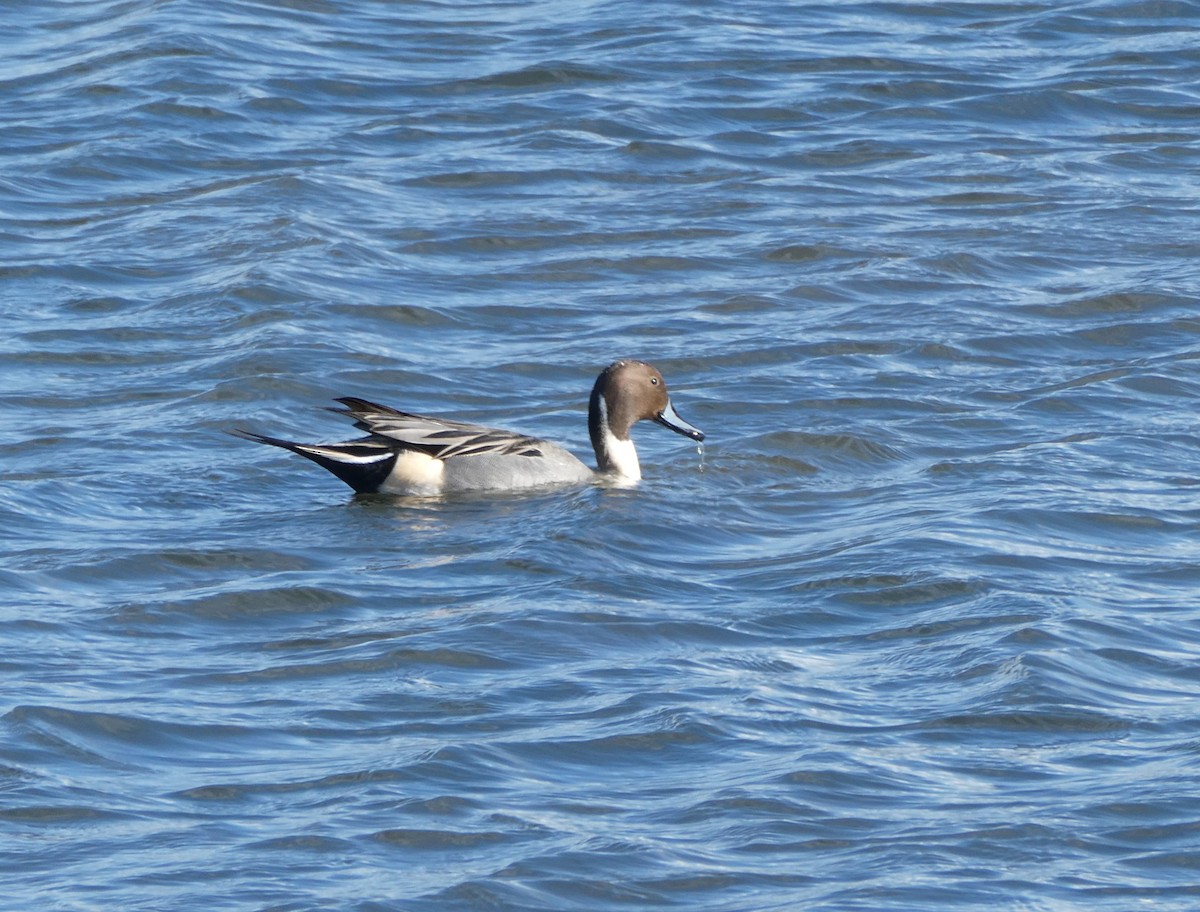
545 464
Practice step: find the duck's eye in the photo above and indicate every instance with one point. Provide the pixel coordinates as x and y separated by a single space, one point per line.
654 381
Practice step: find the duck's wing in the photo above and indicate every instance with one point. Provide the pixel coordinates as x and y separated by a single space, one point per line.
439 437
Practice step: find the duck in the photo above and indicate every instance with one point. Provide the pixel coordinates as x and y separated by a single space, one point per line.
409 454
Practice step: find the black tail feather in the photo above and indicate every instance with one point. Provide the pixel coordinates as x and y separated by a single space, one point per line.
365 477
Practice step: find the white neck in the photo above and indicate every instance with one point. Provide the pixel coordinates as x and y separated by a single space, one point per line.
612 455
622 457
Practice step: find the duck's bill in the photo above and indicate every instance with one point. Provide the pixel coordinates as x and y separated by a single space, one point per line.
668 417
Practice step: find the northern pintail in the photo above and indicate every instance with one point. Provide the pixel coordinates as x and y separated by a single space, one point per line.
413 454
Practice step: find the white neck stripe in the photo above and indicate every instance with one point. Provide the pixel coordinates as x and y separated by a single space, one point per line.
616 456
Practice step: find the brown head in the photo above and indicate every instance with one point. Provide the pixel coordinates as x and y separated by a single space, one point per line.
625 393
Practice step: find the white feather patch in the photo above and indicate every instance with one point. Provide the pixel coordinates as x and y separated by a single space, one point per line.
414 472
623 456
339 455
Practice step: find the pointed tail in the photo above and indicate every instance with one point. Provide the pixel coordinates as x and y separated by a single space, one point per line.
364 464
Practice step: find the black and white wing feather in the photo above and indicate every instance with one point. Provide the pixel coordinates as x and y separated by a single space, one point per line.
438 437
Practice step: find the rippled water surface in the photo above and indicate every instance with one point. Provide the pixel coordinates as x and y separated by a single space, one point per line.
919 627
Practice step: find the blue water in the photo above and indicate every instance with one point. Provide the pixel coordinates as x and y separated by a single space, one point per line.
917 629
